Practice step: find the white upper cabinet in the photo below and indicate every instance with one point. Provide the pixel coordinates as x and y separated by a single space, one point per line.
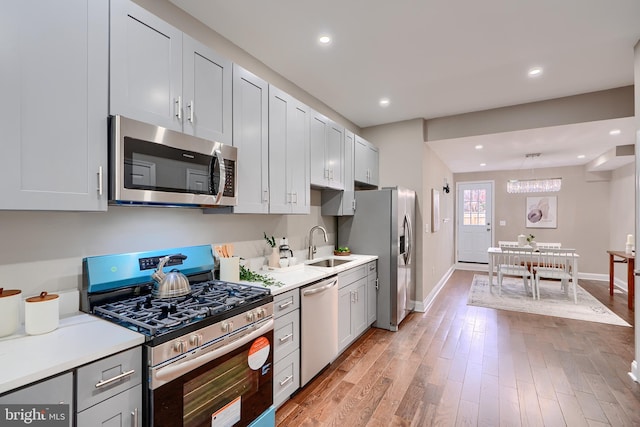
164 77
54 81
145 67
342 203
251 137
366 163
326 145
288 154
207 85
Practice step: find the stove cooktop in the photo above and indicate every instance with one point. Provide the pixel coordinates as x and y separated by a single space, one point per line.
208 302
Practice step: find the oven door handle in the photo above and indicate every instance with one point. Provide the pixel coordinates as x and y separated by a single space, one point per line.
172 371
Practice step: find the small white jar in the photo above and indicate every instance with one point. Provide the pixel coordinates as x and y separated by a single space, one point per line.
9 311
41 313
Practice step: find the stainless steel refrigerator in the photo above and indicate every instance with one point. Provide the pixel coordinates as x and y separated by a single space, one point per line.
383 225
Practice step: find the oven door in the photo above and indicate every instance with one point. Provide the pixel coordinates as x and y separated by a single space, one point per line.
154 165
229 386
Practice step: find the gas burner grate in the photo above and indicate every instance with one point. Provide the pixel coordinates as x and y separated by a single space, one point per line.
154 316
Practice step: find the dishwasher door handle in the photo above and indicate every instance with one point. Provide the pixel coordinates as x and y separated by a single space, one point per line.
319 289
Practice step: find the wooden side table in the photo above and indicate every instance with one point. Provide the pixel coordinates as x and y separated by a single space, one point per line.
629 259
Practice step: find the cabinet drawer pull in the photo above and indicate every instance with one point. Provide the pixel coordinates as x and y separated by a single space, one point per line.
285 305
134 418
116 378
286 380
286 337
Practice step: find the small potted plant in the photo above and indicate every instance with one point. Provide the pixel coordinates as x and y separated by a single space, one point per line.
342 251
531 241
274 257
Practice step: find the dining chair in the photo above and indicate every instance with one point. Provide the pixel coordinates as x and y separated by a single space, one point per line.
548 245
555 263
516 261
508 244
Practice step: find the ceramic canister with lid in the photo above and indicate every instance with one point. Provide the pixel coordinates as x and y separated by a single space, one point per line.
9 310
41 313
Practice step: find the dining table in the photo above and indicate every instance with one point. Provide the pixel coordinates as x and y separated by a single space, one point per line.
495 252
625 258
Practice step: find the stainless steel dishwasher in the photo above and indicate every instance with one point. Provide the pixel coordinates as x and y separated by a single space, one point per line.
319 327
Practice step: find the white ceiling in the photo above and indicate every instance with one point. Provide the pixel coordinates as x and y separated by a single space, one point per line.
434 58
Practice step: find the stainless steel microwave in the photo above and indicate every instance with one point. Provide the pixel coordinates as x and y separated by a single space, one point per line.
152 165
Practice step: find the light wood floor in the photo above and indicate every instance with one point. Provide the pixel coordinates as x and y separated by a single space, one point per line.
462 365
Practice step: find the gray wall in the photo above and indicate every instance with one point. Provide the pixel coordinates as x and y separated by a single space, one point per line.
44 250
592 216
407 161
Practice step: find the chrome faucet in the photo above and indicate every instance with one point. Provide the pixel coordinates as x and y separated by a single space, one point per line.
312 247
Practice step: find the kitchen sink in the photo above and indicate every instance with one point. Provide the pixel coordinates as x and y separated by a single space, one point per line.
328 262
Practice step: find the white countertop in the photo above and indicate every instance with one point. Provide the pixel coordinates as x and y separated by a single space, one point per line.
293 278
82 338
79 339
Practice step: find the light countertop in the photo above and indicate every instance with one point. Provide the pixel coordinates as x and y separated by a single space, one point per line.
82 338
79 339
294 277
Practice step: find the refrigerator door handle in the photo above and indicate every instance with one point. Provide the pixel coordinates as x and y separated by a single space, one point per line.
409 233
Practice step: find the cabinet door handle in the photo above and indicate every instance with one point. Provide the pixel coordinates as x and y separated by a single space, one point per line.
179 108
285 305
100 181
266 196
116 378
191 107
286 380
286 337
134 418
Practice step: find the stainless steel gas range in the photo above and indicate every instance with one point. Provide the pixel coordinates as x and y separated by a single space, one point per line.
208 354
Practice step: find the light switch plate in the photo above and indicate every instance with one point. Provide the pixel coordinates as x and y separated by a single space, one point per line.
503 223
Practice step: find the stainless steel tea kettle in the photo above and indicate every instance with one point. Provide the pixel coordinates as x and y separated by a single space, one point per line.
171 284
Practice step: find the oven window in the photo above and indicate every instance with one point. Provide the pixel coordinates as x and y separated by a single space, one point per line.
217 388
157 167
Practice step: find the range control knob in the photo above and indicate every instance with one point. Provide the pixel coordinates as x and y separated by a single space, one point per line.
179 346
227 327
250 316
261 313
195 340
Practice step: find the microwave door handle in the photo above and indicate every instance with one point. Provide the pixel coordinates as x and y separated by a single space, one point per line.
223 176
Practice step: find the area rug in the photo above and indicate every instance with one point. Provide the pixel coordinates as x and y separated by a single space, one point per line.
552 300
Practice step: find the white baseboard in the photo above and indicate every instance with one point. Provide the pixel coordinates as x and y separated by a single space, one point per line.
634 374
423 306
618 283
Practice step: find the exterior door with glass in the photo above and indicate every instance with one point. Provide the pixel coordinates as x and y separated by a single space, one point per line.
475 219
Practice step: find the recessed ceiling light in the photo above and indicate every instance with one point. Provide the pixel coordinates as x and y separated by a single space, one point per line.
614 132
324 39
479 147
483 164
581 156
384 102
535 72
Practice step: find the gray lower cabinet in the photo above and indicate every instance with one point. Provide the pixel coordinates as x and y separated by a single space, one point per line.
55 390
286 346
352 305
109 391
54 82
121 410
